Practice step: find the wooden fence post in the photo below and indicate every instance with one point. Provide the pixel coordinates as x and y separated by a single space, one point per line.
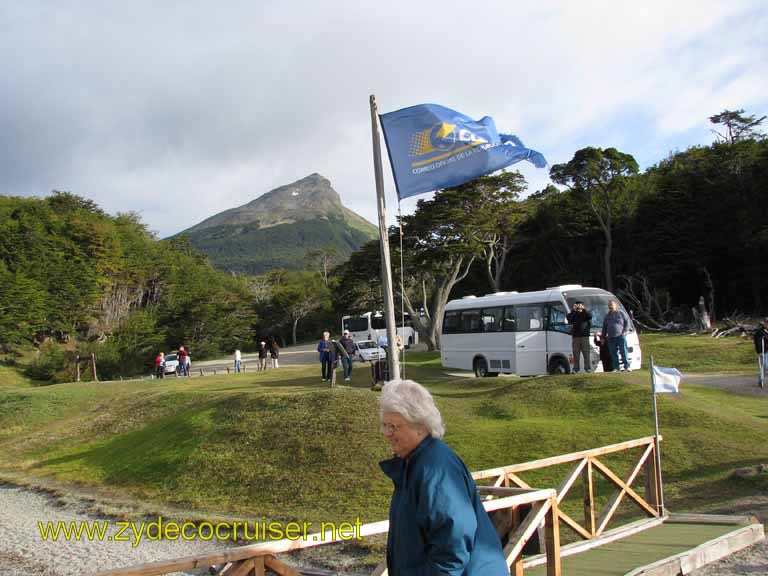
651 482
552 538
589 498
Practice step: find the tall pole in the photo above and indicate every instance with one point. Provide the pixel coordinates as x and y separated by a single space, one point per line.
393 361
656 439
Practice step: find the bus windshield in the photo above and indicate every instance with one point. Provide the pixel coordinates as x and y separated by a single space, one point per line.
597 305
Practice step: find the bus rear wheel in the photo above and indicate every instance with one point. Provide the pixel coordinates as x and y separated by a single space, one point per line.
558 366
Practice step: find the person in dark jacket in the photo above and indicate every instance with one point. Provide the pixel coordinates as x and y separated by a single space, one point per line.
263 353
580 320
325 351
761 348
274 352
437 523
615 327
346 359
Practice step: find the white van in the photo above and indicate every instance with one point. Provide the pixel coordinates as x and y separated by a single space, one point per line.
524 333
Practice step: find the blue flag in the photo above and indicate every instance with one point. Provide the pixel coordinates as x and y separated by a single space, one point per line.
432 147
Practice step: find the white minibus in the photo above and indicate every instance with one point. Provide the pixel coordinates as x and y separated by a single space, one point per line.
372 326
523 333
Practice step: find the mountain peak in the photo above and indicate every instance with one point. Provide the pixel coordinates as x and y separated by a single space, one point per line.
308 198
312 194
278 229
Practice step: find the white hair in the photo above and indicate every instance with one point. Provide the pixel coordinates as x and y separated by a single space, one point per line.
414 403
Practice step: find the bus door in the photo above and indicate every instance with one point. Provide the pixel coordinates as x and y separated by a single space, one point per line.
530 340
558 331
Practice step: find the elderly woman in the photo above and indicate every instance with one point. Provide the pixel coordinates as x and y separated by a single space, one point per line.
437 523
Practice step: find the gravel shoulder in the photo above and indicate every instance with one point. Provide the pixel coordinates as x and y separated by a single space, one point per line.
23 551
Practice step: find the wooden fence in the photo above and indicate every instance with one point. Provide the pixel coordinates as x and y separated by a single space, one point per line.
593 527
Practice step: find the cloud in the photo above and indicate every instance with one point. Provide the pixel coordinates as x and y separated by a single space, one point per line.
178 110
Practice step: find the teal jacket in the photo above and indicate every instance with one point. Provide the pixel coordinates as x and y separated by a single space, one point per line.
437 523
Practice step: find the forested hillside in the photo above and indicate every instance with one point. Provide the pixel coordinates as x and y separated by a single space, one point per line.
76 280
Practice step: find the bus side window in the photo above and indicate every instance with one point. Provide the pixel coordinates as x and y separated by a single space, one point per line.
529 318
508 322
557 318
491 318
471 321
452 322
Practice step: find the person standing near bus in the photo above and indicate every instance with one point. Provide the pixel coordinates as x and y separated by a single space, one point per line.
580 320
615 326
325 350
346 359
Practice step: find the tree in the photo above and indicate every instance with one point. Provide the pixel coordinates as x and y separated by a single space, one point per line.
298 295
496 214
323 261
737 126
440 243
599 176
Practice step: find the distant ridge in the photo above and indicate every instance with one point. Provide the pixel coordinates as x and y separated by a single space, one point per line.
277 229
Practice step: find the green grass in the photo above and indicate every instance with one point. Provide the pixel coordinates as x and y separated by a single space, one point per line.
282 445
700 354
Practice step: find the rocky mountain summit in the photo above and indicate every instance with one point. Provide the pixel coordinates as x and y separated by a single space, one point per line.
277 229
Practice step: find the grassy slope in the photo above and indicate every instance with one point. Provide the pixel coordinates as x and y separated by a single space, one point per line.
700 354
279 444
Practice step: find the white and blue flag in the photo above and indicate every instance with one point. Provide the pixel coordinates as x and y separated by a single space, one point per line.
666 380
433 147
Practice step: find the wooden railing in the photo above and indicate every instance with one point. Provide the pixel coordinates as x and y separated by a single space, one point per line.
585 464
255 559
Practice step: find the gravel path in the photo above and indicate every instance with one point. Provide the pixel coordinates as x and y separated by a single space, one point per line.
24 552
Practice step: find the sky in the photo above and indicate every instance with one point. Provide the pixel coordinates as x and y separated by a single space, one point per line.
177 110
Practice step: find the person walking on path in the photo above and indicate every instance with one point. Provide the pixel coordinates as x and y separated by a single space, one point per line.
262 355
615 326
437 523
346 359
580 320
160 365
761 348
238 360
274 352
181 367
325 351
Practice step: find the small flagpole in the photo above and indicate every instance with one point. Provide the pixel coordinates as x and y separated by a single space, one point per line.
402 281
656 439
393 360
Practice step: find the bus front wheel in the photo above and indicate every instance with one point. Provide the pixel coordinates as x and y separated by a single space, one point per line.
481 369
559 366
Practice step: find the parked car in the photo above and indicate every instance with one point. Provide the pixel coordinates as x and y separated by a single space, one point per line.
171 363
369 351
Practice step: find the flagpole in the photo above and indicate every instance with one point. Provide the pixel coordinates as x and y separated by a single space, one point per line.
402 281
656 439
393 361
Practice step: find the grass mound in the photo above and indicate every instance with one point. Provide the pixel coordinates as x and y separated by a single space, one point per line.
282 445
